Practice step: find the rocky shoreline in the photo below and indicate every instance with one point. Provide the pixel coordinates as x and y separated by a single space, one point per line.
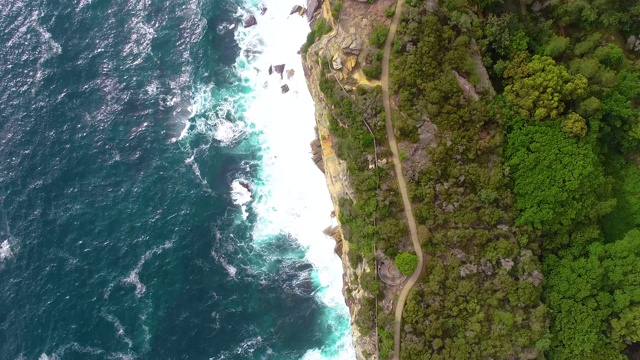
345 48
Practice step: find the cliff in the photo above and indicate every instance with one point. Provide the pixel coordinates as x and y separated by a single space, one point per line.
345 49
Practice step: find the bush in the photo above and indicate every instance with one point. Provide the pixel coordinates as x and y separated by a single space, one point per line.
335 10
389 12
406 262
322 27
556 46
373 71
378 36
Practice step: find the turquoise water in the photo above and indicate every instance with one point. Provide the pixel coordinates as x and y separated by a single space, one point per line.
130 132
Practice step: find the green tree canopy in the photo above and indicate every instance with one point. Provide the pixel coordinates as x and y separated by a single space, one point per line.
406 262
556 178
539 87
595 300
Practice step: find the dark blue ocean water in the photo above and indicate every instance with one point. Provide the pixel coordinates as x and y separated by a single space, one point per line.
118 241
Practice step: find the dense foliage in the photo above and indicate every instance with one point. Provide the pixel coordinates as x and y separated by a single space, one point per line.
480 296
562 189
528 205
597 300
406 262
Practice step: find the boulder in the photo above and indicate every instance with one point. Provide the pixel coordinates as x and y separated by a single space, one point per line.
633 43
249 20
468 269
352 60
263 10
316 151
336 62
279 70
284 88
312 7
290 73
486 266
507 263
351 44
270 70
299 10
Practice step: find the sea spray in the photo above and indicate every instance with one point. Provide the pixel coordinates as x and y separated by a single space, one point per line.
293 197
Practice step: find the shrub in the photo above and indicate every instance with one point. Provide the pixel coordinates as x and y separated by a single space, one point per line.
335 10
406 262
389 12
373 71
378 36
322 27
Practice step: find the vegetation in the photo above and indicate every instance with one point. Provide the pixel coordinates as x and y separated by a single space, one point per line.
531 195
372 219
335 10
406 262
378 36
320 28
530 190
389 12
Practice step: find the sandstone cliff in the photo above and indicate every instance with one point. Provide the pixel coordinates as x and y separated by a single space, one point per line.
345 48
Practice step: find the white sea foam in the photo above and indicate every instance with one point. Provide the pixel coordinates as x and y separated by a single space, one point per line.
5 250
293 198
216 122
119 328
231 270
134 275
241 195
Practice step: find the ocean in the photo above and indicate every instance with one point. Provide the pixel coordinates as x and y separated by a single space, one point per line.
157 196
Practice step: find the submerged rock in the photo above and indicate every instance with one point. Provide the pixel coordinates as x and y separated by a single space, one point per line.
249 21
245 184
290 73
280 70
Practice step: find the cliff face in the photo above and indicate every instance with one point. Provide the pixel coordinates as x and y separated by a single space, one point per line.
343 47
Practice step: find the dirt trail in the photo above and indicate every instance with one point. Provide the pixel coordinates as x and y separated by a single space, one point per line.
413 229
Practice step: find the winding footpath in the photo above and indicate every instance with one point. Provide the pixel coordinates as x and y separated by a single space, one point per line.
393 144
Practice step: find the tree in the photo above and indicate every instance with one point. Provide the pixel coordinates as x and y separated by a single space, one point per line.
406 262
505 34
556 179
556 46
595 300
539 87
574 125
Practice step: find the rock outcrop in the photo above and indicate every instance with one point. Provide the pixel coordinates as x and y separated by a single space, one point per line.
249 21
312 7
279 70
297 9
